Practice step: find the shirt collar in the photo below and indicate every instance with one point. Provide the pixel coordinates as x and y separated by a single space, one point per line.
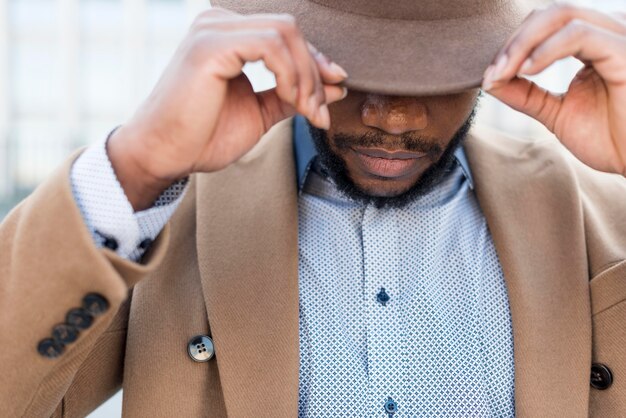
305 152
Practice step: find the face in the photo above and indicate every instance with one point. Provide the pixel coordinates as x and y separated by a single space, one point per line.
387 150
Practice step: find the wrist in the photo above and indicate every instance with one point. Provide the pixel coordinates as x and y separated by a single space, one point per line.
132 159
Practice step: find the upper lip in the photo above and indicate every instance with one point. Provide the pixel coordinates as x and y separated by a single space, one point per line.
388 154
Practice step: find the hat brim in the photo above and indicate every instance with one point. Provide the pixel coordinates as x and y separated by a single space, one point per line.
400 57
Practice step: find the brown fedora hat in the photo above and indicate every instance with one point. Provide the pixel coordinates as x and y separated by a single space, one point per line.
403 47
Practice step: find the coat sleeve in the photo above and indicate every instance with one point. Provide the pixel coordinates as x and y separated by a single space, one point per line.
48 265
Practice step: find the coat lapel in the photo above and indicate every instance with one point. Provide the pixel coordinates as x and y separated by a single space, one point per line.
247 242
534 214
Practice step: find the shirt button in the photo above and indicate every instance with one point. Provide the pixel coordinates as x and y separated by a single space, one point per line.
110 243
145 244
391 406
601 376
50 348
79 317
200 348
382 297
65 333
95 304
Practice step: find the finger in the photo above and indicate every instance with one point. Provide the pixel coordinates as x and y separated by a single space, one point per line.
231 22
532 15
273 109
525 96
539 26
335 93
596 46
267 45
318 98
330 71
308 96
237 48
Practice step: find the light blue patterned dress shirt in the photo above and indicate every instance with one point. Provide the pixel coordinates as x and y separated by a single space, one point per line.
438 341
403 312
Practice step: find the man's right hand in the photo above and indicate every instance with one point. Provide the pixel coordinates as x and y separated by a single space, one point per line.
203 113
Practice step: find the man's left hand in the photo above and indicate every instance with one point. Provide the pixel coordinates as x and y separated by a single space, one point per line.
590 118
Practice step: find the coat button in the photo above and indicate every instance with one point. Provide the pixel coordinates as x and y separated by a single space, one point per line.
79 317
200 348
95 304
50 348
601 376
65 333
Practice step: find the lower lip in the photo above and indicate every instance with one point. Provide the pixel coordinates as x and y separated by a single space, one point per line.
388 167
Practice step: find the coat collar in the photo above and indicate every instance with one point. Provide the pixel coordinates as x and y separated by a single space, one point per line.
247 242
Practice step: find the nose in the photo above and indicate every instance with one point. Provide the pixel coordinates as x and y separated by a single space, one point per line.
394 114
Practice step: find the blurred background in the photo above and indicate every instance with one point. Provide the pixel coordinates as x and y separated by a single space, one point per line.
71 70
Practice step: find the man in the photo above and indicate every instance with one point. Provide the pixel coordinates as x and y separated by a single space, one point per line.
378 260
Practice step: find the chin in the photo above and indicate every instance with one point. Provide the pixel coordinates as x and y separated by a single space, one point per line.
383 188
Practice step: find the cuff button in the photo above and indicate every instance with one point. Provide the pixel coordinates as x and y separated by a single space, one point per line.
50 348
65 333
95 304
79 317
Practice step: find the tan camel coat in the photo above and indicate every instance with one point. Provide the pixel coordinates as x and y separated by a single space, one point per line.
229 258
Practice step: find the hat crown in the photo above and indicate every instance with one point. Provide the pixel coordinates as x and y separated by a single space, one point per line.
416 9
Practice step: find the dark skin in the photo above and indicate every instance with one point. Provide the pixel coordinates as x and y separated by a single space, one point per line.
182 129
433 118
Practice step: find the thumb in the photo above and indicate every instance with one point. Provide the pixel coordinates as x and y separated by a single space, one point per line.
527 97
274 109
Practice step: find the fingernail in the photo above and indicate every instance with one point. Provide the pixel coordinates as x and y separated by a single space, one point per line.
335 68
321 57
345 93
500 67
324 116
526 66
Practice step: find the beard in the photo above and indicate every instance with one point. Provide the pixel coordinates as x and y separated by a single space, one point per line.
443 162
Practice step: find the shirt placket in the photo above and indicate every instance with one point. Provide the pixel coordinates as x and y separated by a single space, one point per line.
381 297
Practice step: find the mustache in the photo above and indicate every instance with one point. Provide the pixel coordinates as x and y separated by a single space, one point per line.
406 141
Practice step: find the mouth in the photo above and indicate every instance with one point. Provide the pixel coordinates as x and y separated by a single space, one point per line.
389 163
